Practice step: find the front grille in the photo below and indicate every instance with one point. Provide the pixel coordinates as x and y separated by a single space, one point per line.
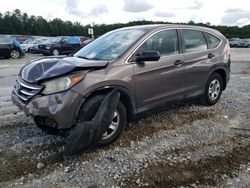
25 91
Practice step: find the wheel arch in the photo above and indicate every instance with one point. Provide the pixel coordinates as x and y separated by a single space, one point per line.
55 48
222 72
125 97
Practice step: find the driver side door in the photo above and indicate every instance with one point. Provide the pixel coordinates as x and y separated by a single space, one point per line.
65 46
159 81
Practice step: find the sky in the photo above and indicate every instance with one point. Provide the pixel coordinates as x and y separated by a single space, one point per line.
216 12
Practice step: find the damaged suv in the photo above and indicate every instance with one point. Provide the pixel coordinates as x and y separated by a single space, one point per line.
150 65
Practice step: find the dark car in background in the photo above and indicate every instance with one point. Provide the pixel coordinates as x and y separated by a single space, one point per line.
62 45
233 42
10 48
34 48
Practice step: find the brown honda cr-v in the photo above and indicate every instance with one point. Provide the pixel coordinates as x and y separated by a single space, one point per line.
150 65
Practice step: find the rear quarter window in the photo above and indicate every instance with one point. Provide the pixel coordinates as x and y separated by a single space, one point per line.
194 40
73 40
212 40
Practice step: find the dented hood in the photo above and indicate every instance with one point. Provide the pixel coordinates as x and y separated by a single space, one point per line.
50 67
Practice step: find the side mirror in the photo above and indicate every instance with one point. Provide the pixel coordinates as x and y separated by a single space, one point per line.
148 56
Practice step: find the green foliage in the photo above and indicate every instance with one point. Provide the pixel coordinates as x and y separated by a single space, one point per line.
17 22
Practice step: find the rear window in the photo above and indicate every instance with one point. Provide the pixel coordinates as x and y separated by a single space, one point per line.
212 40
194 40
73 40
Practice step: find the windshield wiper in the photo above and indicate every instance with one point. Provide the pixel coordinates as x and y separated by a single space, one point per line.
83 57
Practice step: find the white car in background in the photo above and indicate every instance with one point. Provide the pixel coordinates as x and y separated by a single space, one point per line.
25 47
244 43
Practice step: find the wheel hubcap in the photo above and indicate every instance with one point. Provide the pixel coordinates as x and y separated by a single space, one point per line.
214 89
55 52
14 54
112 127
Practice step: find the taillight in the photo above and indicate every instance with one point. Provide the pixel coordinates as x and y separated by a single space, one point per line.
227 53
228 49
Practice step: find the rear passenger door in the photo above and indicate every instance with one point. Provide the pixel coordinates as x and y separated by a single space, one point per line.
158 81
197 60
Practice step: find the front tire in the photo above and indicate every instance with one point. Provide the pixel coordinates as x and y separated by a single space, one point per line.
213 90
55 52
15 54
88 111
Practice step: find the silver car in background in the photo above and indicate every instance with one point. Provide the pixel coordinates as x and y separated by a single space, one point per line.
244 43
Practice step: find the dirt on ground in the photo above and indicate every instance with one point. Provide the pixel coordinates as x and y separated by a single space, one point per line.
200 173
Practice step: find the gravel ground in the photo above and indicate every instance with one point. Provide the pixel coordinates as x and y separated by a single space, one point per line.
182 145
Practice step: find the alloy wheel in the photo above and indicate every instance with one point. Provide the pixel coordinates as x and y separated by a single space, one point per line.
214 89
55 52
14 54
112 127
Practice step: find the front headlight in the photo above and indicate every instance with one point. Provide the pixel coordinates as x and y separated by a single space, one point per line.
47 47
62 83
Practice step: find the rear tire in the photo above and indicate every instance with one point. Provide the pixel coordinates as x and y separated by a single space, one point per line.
88 111
213 90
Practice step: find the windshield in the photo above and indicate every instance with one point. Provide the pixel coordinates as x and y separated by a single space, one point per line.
38 41
233 39
111 45
29 41
47 41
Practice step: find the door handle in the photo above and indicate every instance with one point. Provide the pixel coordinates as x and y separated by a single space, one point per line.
178 62
210 56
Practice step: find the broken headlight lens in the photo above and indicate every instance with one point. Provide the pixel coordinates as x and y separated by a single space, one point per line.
62 83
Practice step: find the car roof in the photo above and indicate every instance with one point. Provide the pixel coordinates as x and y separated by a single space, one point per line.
155 27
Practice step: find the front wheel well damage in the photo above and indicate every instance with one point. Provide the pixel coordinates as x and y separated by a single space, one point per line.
125 98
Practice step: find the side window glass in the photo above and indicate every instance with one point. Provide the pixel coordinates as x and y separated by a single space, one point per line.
73 40
65 41
194 41
165 42
212 40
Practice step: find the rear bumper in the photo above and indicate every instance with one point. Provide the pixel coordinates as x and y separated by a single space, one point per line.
57 110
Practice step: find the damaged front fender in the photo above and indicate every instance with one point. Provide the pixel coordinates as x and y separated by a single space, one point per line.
86 134
56 107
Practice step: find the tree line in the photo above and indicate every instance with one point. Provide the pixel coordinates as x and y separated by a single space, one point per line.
19 23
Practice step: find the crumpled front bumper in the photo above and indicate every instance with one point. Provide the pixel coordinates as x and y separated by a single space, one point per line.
62 108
